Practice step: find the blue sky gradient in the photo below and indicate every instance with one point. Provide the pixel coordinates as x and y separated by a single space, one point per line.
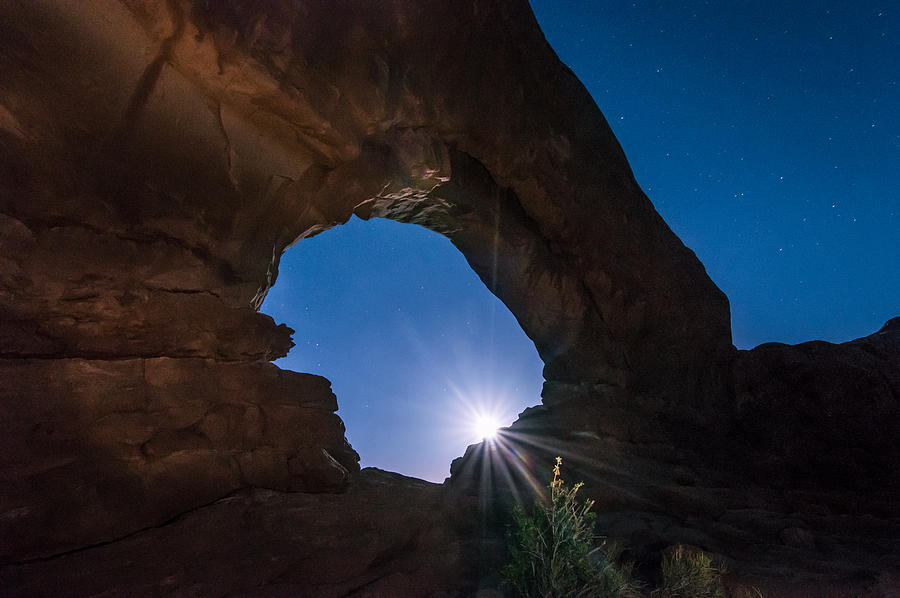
766 134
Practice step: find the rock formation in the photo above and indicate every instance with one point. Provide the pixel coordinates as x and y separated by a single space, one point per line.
793 482
384 537
158 156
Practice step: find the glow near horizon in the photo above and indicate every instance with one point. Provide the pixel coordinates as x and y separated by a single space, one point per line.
486 426
416 347
766 140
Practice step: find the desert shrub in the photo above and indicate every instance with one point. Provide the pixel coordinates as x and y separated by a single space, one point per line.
552 550
690 574
614 575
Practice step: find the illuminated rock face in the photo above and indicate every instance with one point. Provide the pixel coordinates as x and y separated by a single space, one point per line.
157 157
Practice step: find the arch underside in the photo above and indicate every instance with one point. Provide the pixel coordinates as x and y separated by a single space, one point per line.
159 158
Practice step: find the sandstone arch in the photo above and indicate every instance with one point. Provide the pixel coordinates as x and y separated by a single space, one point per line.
156 157
160 156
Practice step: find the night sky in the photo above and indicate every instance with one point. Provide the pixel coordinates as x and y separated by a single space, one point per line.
766 134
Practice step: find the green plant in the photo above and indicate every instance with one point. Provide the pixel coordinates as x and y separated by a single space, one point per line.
614 579
552 550
690 574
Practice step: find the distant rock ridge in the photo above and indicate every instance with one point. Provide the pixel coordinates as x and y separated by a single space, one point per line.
156 159
891 325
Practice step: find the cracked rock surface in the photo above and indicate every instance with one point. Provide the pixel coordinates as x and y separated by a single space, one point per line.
93 449
385 536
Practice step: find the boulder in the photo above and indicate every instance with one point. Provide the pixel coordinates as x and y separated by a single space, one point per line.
385 536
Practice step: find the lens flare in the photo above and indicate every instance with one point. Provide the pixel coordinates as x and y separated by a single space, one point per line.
486 426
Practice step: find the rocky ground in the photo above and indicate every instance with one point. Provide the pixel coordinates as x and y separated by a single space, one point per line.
387 535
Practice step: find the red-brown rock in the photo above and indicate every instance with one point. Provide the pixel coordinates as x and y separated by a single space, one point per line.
94 449
157 157
386 536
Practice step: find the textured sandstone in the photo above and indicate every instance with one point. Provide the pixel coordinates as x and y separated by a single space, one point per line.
819 414
383 537
227 131
94 449
797 482
157 157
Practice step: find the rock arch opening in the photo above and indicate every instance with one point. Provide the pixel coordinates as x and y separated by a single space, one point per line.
416 347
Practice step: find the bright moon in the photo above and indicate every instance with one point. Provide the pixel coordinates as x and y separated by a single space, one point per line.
486 427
